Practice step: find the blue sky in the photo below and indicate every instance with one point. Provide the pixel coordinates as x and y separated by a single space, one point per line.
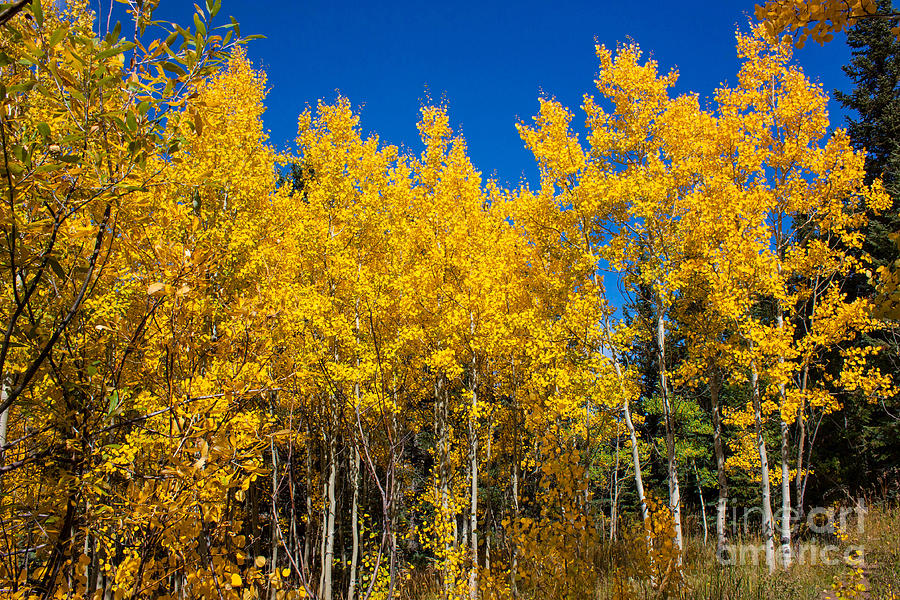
490 61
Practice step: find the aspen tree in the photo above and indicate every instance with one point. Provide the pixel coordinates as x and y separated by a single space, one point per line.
813 193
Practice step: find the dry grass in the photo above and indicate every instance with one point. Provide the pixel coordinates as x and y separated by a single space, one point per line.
621 573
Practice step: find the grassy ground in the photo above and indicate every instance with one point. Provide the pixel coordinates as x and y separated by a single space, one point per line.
620 573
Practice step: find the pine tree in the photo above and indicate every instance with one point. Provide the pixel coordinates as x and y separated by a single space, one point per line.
875 72
868 434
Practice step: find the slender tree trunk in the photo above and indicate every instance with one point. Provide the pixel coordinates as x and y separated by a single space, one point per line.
473 469
785 496
5 386
672 467
513 561
273 565
354 478
354 523
323 528
722 503
801 445
632 433
812 443
489 509
487 549
328 561
308 529
614 496
441 410
94 554
767 525
323 535
785 467
702 505
636 459
629 424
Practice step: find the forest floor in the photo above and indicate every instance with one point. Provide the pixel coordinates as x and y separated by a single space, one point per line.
863 562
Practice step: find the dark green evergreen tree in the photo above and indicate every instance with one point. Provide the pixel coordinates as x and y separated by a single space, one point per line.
875 73
860 445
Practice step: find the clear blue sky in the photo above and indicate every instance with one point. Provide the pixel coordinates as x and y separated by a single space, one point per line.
489 60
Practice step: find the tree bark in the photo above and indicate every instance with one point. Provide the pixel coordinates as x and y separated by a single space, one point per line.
473 468
5 386
273 565
441 416
785 467
672 466
632 434
354 524
722 503
767 525
328 556
614 495
513 561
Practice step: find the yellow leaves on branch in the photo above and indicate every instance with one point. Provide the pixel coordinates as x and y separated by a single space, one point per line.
377 296
818 19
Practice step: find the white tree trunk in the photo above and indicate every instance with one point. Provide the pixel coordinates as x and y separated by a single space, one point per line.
785 497
767 525
614 495
722 503
473 469
785 470
672 466
632 434
354 523
328 556
273 563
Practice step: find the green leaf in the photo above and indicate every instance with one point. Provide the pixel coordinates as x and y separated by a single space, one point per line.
44 130
198 123
48 168
38 12
172 67
58 35
130 121
113 402
198 24
109 52
57 268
